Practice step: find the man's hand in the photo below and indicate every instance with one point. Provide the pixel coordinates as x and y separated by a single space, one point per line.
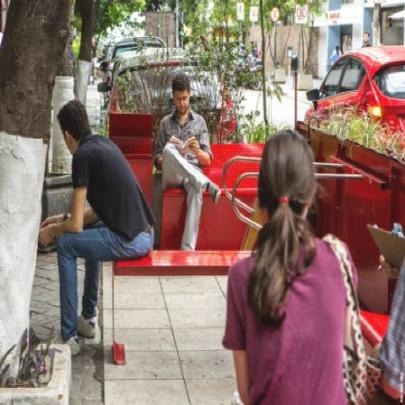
175 140
47 235
52 220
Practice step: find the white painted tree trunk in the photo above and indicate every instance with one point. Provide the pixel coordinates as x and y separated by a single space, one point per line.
22 164
61 157
82 79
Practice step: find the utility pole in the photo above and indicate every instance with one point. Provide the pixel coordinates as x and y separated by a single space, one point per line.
266 120
177 24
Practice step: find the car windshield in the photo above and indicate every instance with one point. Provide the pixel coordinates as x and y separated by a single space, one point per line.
137 45
391 81
148 88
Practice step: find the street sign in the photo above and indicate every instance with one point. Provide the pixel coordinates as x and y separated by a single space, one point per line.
254 14
240 11
301 14
275 14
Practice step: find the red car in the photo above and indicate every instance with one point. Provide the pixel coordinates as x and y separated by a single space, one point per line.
373 79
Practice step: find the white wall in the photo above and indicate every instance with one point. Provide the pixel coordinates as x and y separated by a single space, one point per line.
357 39
322 52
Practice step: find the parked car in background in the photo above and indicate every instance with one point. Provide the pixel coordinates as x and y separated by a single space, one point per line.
141 82
369 80
136 44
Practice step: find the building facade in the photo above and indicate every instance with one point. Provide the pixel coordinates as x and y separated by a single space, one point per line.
345 21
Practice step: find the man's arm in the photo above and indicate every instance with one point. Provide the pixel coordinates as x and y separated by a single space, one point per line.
202 150
80 216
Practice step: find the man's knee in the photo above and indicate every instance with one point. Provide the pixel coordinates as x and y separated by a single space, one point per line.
63 243
169 150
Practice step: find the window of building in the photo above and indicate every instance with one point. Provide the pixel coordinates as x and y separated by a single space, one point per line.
347 1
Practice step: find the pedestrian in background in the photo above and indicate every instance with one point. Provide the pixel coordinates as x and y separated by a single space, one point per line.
336 54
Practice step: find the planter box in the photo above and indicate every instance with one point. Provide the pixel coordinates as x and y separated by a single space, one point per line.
55 393
280 76
345 207
305 82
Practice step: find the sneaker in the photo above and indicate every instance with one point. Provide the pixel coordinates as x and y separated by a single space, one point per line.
214 191
74 345
86 327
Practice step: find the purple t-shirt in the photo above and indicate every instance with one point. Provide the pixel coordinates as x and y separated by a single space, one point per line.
300 362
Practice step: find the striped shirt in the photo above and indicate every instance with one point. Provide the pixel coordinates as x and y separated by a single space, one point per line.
392 352
195 125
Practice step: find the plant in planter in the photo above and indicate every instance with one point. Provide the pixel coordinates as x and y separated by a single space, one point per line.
35 365
251 131
359 127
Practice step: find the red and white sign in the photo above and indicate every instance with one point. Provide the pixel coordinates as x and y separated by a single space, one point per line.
275 14
301 14
254 14
240 11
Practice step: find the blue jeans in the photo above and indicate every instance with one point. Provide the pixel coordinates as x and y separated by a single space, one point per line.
95 244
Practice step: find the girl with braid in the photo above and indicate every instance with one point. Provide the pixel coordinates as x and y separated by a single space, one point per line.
286 304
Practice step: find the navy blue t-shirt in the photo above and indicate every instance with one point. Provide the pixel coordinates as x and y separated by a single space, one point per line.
112 189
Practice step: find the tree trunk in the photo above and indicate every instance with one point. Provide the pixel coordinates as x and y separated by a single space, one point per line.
61 158
31 50
87 9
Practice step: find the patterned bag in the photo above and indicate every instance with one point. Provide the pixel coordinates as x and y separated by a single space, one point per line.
361 373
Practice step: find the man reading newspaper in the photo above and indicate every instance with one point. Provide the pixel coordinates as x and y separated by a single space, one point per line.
183 147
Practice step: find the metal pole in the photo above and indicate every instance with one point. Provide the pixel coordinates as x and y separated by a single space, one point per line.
177 24
275 45
295 98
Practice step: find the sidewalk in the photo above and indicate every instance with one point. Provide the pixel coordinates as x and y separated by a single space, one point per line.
172 328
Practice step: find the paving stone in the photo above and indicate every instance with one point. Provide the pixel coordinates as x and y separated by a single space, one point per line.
206 364
198 317
142 339
129 299
188 284
137 318
218 391
145 366
146 392
199 338
196 299
223 284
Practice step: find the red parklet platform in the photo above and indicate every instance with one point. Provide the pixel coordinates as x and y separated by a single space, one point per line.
171 263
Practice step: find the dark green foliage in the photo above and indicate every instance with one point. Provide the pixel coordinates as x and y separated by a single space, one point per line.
35 363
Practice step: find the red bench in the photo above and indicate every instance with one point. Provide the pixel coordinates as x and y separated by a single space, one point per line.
373 327
132 133
219 228
172 263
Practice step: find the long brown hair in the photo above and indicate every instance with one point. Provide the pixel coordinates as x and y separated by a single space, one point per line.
286 186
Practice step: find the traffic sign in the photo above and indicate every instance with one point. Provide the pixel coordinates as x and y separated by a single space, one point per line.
240 11
301 14
275 14
254 14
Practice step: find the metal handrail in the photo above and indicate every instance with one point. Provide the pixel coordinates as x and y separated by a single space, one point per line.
236 203
258 160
